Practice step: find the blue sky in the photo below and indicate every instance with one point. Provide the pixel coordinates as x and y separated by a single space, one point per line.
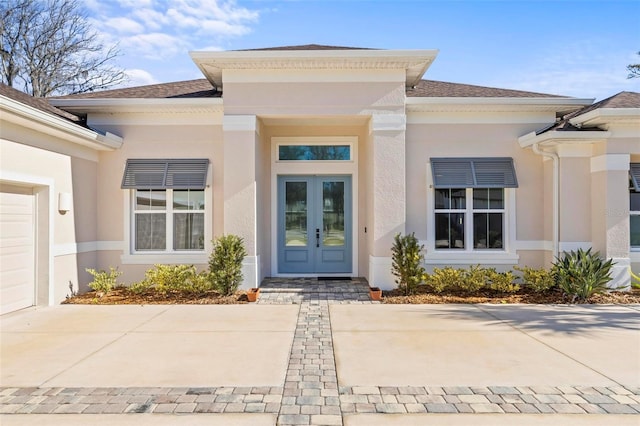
575 48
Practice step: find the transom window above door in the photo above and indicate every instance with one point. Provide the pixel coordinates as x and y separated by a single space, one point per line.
314 152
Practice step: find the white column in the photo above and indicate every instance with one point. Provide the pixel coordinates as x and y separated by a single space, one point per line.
610 213
387 189
240 196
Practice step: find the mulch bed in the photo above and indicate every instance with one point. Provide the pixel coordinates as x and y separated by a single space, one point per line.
121 296
523 296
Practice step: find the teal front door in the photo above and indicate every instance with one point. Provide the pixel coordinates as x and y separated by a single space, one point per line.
314 225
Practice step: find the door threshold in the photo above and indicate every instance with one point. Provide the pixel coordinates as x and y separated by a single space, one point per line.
334 278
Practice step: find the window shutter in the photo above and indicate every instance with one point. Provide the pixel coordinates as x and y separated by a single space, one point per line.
144 174
634 171
187 174
165 173
495 173
451 173
491 172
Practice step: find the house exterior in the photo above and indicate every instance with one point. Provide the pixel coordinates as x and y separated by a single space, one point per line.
317 156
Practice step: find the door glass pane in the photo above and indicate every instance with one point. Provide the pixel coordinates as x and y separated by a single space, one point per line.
151 231
188 231
333 213
295 214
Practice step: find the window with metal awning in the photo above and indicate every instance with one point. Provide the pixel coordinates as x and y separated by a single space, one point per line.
165 173
489 172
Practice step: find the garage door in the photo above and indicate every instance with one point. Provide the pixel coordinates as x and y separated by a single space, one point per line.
17 249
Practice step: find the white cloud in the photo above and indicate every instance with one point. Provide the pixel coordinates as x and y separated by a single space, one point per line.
138 77
154 45
124 25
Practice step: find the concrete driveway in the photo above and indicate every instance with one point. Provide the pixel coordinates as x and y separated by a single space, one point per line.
247 364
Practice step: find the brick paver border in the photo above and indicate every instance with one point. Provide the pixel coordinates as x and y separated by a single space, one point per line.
311 394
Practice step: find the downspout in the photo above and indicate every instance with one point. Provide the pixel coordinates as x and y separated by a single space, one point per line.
556 197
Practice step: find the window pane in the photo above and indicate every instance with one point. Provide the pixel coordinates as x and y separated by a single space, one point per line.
450 230
188 231
314 152
442 199
496 198
188 200
459 198
151 231
487 230
635 230
634 201
151 199
481 198
295 214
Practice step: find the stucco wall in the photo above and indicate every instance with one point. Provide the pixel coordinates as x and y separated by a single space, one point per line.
475 140
144 141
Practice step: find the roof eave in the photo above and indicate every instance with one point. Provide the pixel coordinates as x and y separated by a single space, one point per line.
14 111
555 137
414 62
137 104
602 116
423 104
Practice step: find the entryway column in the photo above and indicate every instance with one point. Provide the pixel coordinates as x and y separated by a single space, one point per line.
241 138
387 192
610 212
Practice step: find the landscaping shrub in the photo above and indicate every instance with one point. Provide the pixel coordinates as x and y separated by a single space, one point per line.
473 279
538 280
103 281
445 278
635 280
581 274
406 263
173 279
502 282
225 263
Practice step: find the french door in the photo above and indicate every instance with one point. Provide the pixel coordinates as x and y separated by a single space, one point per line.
314 224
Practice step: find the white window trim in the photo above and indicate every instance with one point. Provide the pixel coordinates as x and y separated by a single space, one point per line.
132 257
505 256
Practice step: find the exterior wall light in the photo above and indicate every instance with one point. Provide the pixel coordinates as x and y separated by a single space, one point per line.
64 202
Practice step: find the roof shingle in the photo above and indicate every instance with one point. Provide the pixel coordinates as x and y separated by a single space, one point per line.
441 89
39 103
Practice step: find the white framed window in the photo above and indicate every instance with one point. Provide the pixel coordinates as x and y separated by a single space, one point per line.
469 219
471 211
315 149
634 206
169 207
169 220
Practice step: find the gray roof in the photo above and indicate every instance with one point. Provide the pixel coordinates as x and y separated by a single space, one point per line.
202 88
39 103
618 101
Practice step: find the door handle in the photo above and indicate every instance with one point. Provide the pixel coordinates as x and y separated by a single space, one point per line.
317 237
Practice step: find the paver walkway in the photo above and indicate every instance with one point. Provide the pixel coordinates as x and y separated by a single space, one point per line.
311 393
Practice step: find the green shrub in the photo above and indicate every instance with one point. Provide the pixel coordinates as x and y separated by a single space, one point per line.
502 282
580 274
173 279
538 280
104 281
446 278
406 263
140 287
225 263
473 279
635 279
